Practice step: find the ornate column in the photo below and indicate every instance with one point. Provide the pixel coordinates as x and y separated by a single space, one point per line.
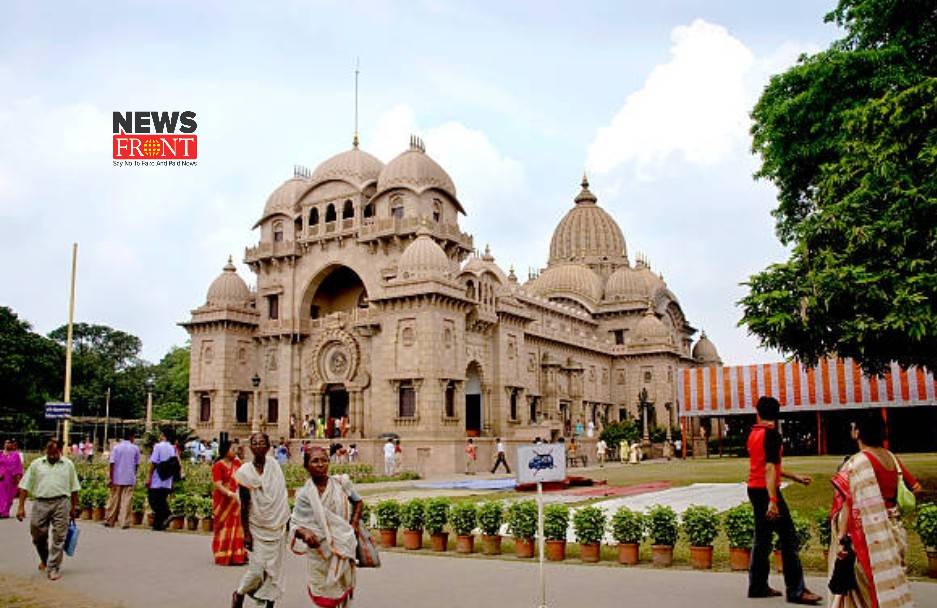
487 409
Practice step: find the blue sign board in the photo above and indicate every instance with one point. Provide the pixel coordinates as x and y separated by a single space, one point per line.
57 409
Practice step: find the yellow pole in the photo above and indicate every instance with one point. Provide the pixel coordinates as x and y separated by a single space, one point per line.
68 343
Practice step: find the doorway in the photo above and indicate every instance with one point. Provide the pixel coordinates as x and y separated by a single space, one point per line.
473 401
336 401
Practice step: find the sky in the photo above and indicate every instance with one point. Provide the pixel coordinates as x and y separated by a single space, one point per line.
514 99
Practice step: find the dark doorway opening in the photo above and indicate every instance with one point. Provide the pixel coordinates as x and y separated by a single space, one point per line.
473 415
336 402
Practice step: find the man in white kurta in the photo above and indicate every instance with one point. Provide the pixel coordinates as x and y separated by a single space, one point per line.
265 513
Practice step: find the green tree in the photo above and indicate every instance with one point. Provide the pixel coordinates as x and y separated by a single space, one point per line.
171 385
849 137
32 371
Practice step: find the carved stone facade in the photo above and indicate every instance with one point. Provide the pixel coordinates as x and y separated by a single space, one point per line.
371 304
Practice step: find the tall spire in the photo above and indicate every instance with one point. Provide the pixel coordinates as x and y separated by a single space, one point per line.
354 141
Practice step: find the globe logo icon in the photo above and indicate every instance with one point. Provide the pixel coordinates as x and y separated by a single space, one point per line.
152 147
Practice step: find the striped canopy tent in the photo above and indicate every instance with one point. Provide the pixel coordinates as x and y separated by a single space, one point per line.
833 384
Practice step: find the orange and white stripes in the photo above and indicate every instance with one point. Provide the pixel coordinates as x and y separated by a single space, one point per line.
832 384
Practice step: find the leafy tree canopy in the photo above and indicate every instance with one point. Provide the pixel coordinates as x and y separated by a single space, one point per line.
849 137
171 382
31 371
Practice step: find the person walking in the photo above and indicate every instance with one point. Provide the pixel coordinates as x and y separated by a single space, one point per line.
624 451
326 519
52 484
265 513
389 457
600 448
865 506
499 446
398 457
227 542
122 477
159 487
282 453
471 455
11 471
771 512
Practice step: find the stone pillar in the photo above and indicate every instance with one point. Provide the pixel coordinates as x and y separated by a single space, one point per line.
487 410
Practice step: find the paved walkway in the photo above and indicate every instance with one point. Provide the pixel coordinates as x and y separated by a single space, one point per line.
142 569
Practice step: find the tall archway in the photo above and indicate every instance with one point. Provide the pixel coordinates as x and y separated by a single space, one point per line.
335 289
473 400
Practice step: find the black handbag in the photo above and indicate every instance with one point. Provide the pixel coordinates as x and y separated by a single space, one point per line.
843 579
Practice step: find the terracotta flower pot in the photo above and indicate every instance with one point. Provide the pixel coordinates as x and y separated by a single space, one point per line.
524 547
628 554
491 545
778 561
191 523
701 558
137 518
465 543
662 555
413 539
388 538
590 552
97 514
150 518
439 541
176 523
739 558
86 513
932 563
207 524
556 550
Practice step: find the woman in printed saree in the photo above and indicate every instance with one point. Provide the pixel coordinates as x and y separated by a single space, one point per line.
865 509
326 519
11 471
228 541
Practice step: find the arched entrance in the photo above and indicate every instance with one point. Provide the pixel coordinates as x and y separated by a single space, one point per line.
335 289
335 401
473 401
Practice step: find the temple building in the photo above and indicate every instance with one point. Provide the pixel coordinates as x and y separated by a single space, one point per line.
372 304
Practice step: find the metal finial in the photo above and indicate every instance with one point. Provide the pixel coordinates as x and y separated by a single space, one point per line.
585 180
354 141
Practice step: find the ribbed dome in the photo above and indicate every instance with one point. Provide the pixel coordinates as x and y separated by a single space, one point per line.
587 234
704 351
423 257
414 169
568 278
354 166
485 263
650 330
284 198
228 288
628 283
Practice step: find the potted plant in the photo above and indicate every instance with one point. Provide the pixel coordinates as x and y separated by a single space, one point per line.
138 506
701 525
821 517
464 518
98 502
589 526
177 509
926 527
628 528
490 518
190 506
662 528
437 516
739 524
387 513
85 502
205 512
413 519
522 524
555 524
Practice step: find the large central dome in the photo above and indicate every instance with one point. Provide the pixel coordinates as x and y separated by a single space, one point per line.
354 166
587 234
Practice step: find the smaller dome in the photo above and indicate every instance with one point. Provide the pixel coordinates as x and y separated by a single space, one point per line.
479 265
704 351
423 257
568 278
354 166
228 289
415 170
284 198
637 283
650 330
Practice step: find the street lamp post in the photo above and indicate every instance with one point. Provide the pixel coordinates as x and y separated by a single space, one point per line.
255 381
149 403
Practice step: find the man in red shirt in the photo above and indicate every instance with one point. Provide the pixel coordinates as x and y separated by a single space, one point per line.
771 513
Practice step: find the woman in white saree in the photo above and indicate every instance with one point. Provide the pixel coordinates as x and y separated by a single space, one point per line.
326 519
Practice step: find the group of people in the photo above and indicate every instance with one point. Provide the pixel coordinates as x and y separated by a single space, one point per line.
325 428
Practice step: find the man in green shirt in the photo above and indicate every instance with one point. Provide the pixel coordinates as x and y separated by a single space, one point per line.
52 483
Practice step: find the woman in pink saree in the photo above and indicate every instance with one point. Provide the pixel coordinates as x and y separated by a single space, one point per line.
865 509
11 470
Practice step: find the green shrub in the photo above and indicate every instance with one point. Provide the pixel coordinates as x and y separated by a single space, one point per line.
204 508
413 514
589 525
739 524
801 530
437 515
926 525
138 502
99 497
662 525
366 513
464 518
628 527
191 504
177 504
701 525
522 519
616 432
388 514
490 517
86 498
821 518
555 521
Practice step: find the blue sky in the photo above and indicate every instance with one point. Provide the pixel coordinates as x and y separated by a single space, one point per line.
514 99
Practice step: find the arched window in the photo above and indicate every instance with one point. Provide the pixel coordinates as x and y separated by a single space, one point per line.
396 207
369 210
330 213
348 210
437 210
298 225
278 232
470 290
314 216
